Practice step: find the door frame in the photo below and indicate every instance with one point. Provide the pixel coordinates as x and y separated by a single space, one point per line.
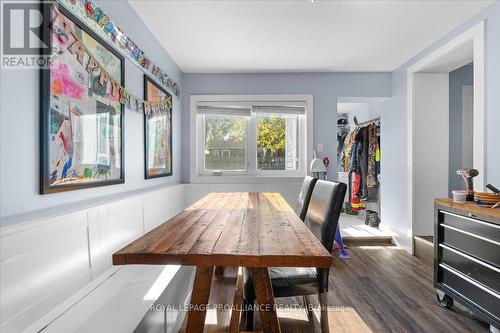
476 35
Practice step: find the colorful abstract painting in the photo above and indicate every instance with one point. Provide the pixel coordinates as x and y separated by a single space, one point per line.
82 120
157 134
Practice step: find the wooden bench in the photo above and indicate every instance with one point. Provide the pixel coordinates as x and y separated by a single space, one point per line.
56 272
131 298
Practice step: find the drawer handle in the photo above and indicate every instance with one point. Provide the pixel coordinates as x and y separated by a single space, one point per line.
468 279
470 258
473 220
470 234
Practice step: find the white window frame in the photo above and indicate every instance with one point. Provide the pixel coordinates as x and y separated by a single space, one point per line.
251 174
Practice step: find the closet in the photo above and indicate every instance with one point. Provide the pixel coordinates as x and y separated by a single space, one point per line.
358 165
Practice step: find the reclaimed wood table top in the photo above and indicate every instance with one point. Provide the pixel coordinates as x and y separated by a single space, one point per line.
230 229
469 207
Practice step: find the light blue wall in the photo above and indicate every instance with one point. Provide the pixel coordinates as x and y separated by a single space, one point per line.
19 122
394 136
325 87
458 78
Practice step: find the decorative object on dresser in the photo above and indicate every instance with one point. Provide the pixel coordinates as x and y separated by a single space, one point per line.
468 175
486 199
467 257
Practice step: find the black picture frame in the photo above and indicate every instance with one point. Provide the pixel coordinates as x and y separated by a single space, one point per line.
147 174
44 181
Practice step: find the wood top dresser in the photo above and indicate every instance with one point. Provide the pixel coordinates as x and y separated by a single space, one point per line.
467 257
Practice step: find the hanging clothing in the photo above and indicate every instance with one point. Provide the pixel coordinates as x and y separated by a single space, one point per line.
363 160
371 178
341 138
357 148
356 204
354 157
359 157
349 141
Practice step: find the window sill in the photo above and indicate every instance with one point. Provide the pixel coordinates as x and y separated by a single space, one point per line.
238 179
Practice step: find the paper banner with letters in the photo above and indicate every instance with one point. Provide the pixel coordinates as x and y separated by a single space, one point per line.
81 52
91 14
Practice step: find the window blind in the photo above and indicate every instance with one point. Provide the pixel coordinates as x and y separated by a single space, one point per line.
222 109
245 109
283 109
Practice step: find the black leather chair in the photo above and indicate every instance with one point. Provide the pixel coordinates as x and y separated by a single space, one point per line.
321 218
305 196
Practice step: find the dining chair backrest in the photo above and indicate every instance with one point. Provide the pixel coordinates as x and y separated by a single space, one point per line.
324 210
305 196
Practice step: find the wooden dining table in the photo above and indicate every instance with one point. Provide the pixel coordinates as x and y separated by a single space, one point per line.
245 229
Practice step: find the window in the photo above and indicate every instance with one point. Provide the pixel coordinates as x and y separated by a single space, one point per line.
277 141
249 137
225 142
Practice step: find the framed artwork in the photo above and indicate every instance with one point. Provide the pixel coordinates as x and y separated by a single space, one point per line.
81 124
157 134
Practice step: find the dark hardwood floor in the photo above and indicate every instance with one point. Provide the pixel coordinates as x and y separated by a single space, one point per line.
392 291
379 289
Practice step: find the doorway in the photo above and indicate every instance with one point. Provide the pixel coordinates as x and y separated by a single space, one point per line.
358 123
436 148
461 124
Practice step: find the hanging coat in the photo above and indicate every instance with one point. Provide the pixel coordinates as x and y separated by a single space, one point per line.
371 178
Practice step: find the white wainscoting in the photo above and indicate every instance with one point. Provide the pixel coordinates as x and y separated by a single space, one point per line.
289 191
159 208
49 264
41 265
44 262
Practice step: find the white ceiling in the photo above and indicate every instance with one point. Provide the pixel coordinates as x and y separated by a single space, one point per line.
299 36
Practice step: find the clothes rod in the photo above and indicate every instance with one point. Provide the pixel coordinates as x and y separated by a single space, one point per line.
365 122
